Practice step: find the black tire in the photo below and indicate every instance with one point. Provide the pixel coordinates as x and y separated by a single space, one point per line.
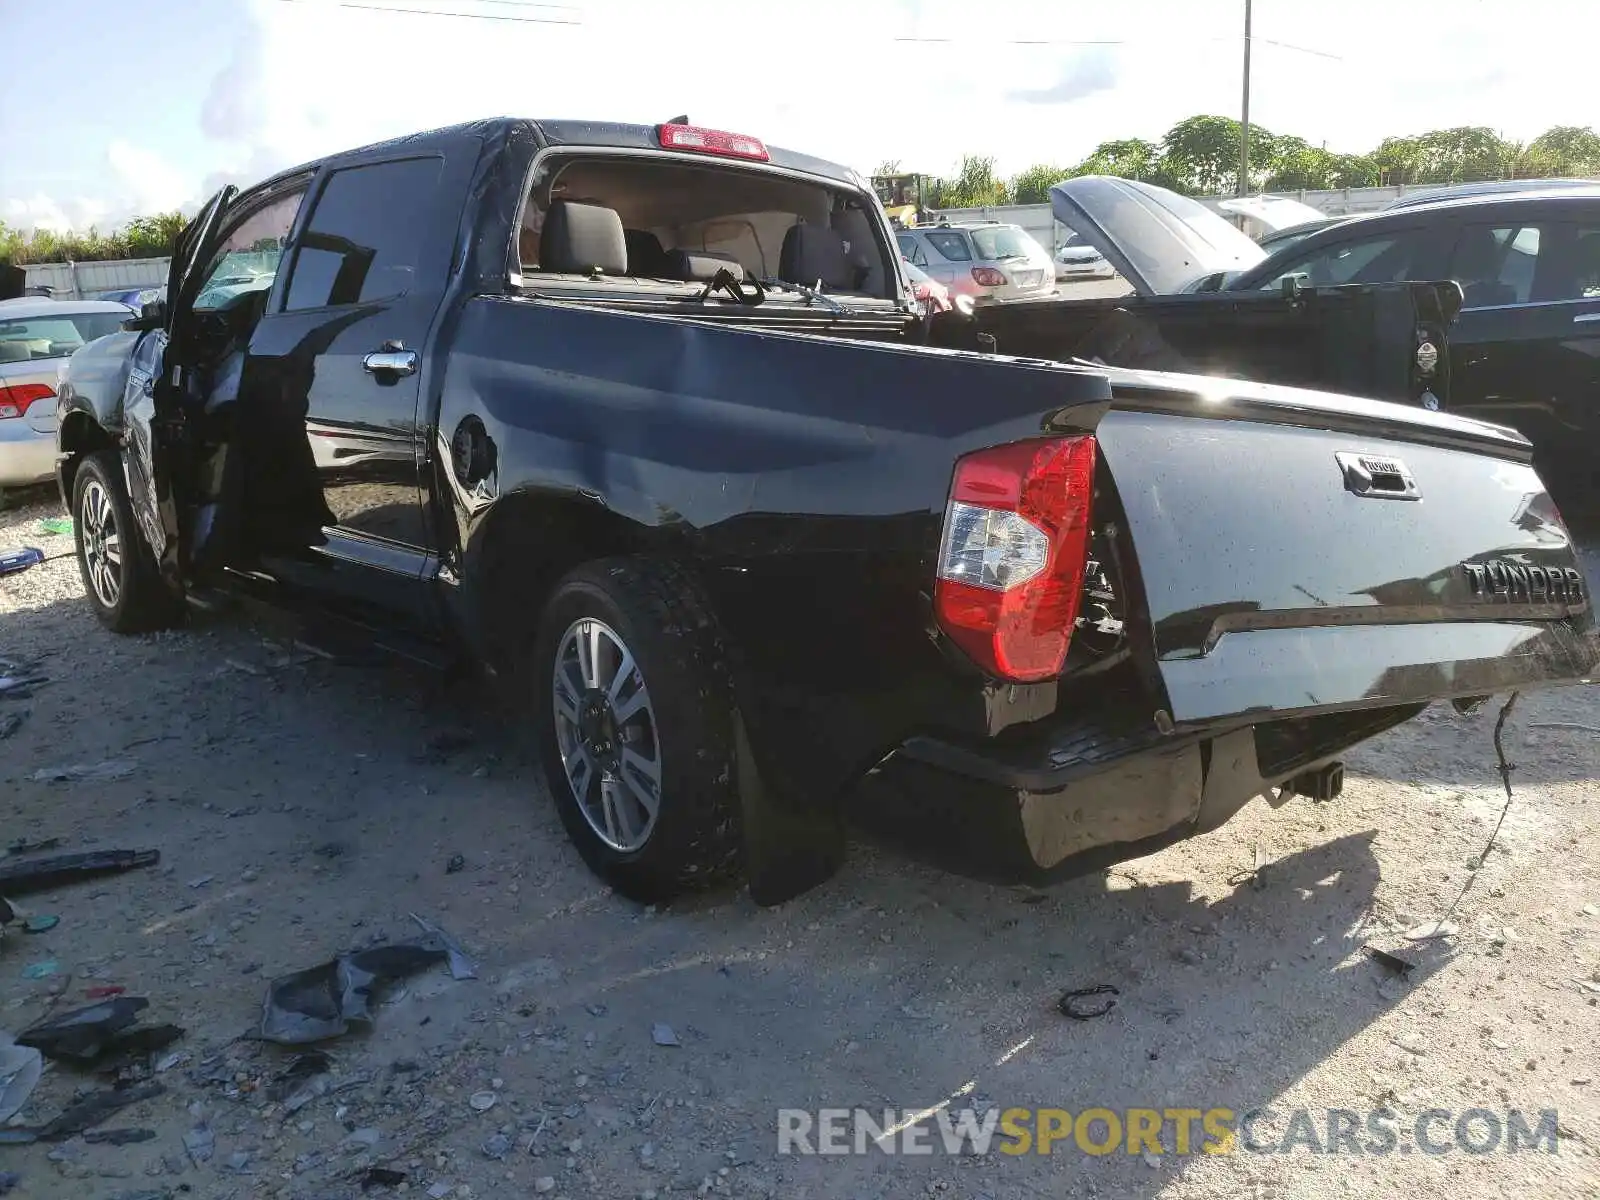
662 616
142 602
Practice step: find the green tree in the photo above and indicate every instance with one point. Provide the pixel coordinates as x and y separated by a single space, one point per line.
974 186
1203 152
1565 150
1033 185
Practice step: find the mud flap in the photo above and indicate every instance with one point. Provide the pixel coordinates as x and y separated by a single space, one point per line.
790 846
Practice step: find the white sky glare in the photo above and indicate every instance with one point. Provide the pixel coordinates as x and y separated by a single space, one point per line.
260 84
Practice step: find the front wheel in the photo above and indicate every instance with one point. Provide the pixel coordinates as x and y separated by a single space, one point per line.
119 572
634 709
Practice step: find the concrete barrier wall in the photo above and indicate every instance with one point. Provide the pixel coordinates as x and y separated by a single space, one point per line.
77 281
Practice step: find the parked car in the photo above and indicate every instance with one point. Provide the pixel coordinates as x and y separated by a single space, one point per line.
1486 188
1052 615
1276 239
990 262
135 298
36 336
927 289
1077 259
1525 349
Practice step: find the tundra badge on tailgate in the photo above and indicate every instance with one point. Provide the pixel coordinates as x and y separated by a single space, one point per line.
1498 578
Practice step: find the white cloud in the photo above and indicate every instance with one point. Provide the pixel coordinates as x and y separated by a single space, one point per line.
859 81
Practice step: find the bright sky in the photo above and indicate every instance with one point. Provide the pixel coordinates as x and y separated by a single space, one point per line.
109 108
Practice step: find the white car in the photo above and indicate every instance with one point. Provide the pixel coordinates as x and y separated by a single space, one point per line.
988 262
1076 259
37 336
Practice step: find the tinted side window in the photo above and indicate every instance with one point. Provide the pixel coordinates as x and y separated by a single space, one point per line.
950 244
249 257
1577 276
365 234
1495 264
1384 259
912 249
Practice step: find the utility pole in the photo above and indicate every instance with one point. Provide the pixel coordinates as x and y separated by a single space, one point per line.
1244 115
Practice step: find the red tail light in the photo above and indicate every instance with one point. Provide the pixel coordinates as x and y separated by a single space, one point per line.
711 141
16 399
1015 548
988 277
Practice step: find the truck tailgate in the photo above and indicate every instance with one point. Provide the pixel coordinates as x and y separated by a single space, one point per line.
1299 553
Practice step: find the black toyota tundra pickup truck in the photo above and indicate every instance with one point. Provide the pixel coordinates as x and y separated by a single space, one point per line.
644 420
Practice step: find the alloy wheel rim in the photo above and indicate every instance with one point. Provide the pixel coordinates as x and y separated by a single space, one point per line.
102 544
607 734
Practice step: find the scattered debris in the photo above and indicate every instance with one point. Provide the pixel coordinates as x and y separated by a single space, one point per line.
381 1177
1392 962
482 1101
461 967
20 1069
1429 930
10 723
201 881
100 1037
457 862
40 923
56 525
20 558
662 1035
496 1146
94 1108
234 664
20 686
1080 1005
200 1143
1573 726
119 1137
9 1180
24 846
292 1078
41 970
104 991
104 771
321 1002
36 875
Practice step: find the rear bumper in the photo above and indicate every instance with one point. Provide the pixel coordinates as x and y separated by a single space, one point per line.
26 455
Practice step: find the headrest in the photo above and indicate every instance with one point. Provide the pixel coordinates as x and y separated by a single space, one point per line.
581 239
813 252
14 351
645 253
702 264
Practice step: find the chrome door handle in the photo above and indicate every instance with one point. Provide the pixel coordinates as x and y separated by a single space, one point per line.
390 362
1585 318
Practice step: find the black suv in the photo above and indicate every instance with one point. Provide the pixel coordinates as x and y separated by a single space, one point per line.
1525 350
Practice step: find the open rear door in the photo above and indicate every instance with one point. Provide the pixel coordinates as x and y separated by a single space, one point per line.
153 409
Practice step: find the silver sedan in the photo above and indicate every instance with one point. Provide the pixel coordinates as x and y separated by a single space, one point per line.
37 336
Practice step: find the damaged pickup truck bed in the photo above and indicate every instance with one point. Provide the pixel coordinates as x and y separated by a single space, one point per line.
644 419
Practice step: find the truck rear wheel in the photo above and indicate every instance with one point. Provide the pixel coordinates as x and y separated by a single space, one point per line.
634 709
120 576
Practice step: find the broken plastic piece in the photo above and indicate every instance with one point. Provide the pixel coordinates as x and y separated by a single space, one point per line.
100 1036
19 558
108 769
1399 966
20 1068
119 1137
56 525
40 923
662 1035
321 1002
461 967
10 723
41 970
36 875
94 1108
1080 1005
301 1068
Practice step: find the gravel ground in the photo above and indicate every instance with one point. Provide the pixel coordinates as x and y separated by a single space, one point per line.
304 807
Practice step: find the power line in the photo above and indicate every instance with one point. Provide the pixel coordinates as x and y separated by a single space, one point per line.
441 12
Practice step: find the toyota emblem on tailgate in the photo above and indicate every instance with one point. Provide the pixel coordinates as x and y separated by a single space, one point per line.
1377 476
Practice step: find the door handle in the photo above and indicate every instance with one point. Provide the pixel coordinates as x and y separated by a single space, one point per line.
390 361
1586 318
